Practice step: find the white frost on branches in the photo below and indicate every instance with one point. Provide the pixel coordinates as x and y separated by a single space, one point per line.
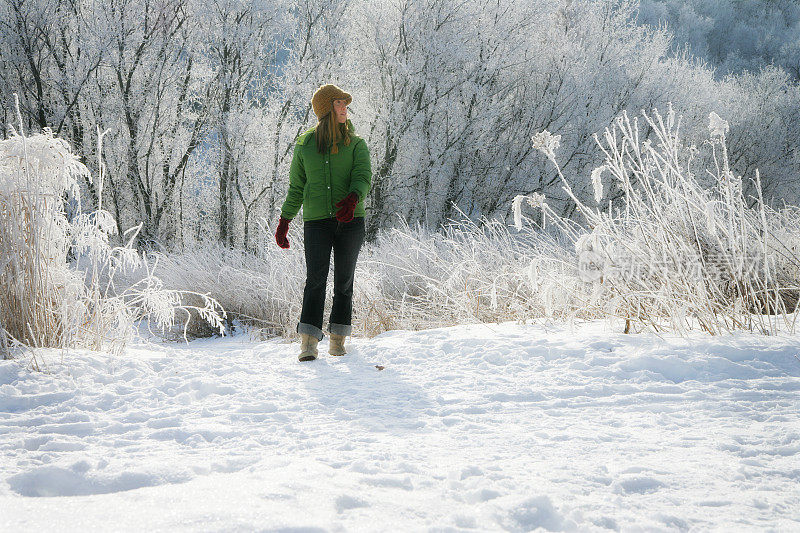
547 143
717 126
534 200
516 206
597 182
41 162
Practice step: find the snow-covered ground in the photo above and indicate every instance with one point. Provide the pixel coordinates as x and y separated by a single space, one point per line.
485 427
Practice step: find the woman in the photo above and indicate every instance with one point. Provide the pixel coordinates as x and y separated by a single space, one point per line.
330 176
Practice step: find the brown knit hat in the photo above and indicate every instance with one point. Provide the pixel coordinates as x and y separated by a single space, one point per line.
323 98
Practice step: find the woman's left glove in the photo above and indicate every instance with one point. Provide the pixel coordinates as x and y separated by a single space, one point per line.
347 207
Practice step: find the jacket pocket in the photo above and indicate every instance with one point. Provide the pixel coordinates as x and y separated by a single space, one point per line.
316 207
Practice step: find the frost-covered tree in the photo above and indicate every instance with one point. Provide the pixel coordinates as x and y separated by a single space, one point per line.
241 41
732 35
203 100
156 104
51 53
454 91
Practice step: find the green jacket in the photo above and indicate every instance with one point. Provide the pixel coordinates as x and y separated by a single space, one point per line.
318 181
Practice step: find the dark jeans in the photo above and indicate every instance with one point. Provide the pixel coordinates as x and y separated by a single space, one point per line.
345 239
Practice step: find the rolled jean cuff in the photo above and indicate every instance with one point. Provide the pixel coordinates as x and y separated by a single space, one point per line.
308 329
340 329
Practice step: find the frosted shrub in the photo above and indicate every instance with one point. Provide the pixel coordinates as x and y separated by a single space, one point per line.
410 278
47 301
35 283
467 272
672 252
264 291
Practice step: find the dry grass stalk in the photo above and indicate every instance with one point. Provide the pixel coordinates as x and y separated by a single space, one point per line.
45 301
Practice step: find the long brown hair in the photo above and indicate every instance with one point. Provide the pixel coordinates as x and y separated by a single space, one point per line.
330 132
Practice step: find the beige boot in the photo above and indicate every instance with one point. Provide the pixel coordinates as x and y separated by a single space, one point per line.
308 347
336 346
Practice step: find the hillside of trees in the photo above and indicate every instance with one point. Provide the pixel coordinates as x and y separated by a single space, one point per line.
201 101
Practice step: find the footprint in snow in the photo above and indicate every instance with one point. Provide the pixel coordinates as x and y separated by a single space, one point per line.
344 503
637 485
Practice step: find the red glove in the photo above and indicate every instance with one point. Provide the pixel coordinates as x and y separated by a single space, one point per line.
347 207
280 233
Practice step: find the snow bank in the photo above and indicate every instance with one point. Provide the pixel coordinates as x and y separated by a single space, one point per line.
490 427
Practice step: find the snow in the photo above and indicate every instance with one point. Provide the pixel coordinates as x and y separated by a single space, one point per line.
484 427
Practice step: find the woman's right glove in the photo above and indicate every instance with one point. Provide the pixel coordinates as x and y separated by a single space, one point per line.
280 233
